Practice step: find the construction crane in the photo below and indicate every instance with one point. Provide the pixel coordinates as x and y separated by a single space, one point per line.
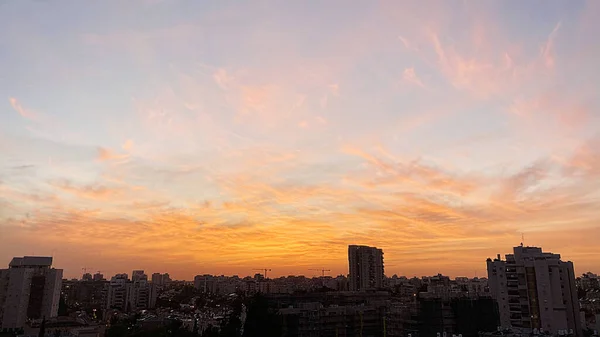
323 270
265 270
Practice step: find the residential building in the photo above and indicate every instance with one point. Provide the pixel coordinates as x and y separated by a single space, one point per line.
138 275
535 291
117 292
160 279
29 289
365 267
127 295
98 277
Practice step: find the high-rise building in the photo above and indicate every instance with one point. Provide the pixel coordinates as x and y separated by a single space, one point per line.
157 278
535 291
98 277
160 279
117 292
127 295
365 267
138 275
29 289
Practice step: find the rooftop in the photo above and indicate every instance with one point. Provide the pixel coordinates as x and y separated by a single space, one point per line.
30 261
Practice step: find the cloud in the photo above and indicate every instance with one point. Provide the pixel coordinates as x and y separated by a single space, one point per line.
22 111
108 155
410 76
97 192
334 88
407 43
222 78
547 50
585 160
128 145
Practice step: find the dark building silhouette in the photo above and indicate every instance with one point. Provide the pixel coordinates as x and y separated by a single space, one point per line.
365 266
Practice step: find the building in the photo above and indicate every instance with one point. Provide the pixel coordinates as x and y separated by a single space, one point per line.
456 316
85 294
87 277
29 289
138 275
117 292
315 319
535 291
98 277
160 279
365 267
126 295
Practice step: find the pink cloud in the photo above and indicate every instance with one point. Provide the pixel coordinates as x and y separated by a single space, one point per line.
411 77
108 155
547 51
222 78
22 111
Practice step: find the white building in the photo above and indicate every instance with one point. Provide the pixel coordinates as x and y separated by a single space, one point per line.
535 290
29 289
365 267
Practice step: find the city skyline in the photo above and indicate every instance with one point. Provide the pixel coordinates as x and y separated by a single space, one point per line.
309 273
172 136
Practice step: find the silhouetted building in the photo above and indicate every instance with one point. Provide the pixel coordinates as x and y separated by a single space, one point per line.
85 294
98 277
160 279
29 289
454 316
365 266
127 295
138 275
535 290
314 319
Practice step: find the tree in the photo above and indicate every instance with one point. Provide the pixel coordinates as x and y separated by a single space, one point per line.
62 307
261 321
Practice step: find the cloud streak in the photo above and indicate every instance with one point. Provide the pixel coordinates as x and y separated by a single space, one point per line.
28 114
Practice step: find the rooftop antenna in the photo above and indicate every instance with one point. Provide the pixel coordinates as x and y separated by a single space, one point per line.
522 239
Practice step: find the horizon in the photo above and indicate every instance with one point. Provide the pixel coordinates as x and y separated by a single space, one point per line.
330 273
222 137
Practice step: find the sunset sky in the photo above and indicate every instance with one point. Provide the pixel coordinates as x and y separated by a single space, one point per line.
196 137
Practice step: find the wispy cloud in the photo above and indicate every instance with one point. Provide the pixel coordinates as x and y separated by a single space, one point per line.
222 78
547 50
105 154
410 76
22 111
97 192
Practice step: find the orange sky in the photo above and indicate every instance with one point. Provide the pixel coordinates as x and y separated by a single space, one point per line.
219 138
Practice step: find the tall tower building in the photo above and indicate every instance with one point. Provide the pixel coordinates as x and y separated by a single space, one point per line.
29 289
365 265
535 291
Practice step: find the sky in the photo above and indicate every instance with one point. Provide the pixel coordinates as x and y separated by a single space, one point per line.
220 137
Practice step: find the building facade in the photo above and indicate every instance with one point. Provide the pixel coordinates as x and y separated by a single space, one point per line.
160 279
29 289
130 295
535 291
365 266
